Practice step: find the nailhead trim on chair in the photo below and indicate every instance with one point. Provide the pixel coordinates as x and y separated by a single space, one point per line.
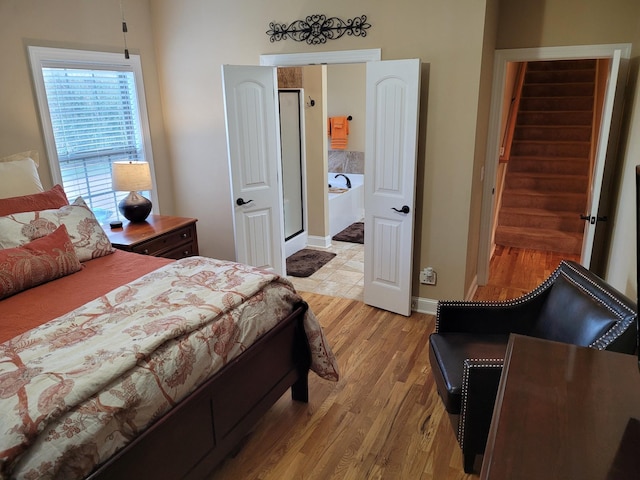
602 343
619 328
506 303
470 363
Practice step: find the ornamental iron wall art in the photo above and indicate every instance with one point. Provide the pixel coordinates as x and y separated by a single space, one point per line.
317 29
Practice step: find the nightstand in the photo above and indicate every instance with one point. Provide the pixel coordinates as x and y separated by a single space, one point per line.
160 236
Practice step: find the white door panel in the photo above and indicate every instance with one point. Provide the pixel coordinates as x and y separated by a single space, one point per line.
390 169
253 138
600 160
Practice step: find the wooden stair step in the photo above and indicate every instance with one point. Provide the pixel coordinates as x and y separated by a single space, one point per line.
558 148
553 133
555 117
548 104
582 75
546 182
539 218
539 239
559 201
577 89
587 63
541 164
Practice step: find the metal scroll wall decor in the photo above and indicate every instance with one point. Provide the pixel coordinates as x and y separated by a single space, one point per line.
317 29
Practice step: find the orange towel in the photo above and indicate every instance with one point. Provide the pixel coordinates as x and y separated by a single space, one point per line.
338 129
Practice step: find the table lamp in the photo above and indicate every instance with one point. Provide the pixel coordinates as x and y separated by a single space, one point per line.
132 177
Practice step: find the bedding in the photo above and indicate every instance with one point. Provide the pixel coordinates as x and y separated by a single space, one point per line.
51 199
37 262
40 304
84 383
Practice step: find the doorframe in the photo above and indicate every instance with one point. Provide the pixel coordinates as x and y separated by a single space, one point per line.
315 58
501 58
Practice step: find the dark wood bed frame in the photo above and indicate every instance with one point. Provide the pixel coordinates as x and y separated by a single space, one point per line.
200 431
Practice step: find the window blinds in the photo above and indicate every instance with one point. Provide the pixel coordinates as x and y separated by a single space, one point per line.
95 121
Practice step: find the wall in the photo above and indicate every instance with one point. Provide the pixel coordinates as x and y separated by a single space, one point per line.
347 96
195 37
81 25
183 45
315 85
530 23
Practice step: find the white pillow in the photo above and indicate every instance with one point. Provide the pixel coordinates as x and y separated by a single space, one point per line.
86 234
19 175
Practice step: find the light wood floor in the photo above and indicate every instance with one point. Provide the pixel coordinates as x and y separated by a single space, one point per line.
383 419
514 272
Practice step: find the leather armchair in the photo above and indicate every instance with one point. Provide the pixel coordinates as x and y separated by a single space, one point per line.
467 349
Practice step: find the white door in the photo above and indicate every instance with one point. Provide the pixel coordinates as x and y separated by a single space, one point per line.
390 169
604 143
253 139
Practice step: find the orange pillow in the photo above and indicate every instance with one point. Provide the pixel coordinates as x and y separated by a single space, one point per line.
54 198
44 259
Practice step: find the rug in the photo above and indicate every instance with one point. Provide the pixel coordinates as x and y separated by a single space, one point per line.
354 233
305 262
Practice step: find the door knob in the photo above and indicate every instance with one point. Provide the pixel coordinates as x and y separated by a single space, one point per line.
240 201
404 209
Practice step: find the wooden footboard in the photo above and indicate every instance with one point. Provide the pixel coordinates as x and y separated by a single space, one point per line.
199 432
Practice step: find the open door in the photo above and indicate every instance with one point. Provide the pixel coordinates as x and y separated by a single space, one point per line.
607 143
253 139
390 169
607 138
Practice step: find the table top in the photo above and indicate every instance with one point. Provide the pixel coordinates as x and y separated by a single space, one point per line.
132 233
564 412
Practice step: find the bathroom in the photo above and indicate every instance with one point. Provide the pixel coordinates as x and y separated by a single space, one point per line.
329 91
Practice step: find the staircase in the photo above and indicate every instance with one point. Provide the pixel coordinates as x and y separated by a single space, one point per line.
547 176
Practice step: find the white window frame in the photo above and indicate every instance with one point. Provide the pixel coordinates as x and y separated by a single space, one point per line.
60 58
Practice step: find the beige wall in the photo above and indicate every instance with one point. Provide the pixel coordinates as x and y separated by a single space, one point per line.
183 45
530 23
346 96
94 25
315 86
194 37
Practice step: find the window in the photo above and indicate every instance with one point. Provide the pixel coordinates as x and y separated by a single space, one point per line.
93 114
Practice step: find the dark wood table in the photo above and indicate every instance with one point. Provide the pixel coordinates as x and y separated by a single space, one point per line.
160 236
564 412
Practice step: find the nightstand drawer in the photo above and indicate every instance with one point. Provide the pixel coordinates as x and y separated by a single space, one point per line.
168 241
182 251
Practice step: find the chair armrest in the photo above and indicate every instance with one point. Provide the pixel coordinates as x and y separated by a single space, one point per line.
481 378
512 316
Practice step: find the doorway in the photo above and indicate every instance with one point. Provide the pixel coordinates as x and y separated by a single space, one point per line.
344 101
393 94
606 138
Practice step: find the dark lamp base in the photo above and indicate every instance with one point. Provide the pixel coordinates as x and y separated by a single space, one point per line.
135 208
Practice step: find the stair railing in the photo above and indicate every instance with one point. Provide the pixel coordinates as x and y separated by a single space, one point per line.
507 140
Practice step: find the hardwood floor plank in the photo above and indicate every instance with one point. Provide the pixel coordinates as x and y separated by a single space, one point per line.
383 419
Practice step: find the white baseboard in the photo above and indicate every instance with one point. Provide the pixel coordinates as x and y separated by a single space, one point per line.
424 305
321 242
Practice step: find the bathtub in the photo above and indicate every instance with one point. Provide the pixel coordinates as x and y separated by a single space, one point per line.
348 207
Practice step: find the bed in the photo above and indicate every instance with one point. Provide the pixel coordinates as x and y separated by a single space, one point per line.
118 365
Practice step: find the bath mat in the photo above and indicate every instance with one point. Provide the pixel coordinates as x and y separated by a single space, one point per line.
354 233
307 261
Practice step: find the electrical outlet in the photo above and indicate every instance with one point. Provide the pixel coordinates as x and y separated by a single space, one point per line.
428 276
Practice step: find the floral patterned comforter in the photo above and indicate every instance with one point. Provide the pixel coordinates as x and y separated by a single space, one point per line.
78 388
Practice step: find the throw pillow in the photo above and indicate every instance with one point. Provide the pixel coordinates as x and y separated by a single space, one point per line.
37 262
53 198
87 236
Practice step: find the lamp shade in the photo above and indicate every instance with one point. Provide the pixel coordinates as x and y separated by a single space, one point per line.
129 176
